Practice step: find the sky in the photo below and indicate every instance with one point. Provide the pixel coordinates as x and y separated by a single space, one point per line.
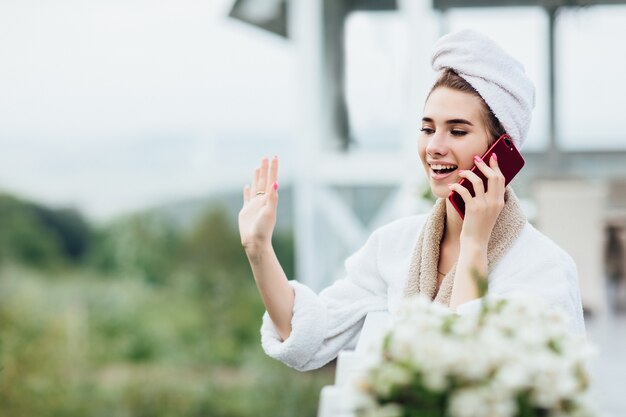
113 106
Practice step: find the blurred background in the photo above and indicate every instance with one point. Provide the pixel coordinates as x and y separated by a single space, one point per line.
128 129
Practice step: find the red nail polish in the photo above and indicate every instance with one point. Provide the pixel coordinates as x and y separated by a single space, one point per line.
275 185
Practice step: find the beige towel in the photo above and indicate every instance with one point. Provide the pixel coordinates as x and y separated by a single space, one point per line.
423 270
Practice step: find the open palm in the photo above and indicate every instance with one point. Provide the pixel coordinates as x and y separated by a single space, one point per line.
257 217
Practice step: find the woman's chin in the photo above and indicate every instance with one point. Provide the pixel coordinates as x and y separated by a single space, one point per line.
439 187
440 190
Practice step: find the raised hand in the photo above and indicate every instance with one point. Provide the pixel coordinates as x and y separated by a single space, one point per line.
257 217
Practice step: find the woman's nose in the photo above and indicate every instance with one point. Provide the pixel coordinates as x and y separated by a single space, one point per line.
437 144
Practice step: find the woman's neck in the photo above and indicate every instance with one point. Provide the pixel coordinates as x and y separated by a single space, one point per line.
454 224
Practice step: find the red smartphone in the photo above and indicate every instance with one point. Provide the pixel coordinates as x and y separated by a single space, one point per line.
510 162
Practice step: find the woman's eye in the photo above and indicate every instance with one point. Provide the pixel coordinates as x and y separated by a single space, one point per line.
427 130
458 132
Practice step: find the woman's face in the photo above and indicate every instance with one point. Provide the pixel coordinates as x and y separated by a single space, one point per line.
453 131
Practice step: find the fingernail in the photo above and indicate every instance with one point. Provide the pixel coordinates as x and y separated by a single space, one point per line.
450 185
275 185
477 158
495 157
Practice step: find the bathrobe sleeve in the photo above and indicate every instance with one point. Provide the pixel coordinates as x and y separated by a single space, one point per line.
537 267
324 324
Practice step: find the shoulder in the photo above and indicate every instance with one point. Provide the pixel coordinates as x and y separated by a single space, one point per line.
388 249
403 229
536 245
534 251
385 252
391 239
395 240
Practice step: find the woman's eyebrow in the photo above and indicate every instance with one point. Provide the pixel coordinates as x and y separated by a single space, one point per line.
459 122
450 122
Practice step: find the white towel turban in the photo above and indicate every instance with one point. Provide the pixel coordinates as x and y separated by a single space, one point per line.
497 76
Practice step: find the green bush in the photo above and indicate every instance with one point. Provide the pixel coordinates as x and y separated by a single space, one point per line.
39 236
144 245
91 347
158 322
70 228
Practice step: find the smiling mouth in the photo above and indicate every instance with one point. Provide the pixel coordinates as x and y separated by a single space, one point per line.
442 169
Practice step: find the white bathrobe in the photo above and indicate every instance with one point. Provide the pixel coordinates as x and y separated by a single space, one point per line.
375 280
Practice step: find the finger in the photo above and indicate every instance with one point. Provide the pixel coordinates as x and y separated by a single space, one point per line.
493 178
255 181
462 191
246 194
497 182
273 173
493 163
484 168
477 182
262 185
273 195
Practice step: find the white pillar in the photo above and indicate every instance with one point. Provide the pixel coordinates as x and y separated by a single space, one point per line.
305 32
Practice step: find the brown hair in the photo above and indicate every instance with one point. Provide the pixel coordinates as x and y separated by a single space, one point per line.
454 81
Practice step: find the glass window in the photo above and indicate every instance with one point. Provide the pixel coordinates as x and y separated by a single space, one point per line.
376 78
590 75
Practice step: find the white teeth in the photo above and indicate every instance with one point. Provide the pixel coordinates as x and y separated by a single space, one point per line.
438 167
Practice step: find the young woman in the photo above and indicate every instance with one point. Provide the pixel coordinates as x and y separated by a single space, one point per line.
481 93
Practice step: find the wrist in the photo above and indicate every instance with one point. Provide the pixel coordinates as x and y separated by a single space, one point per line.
473 247
256 250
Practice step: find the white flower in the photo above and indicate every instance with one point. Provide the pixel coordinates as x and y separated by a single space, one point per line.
481 401
435 381
390 375
513 376
469 402
554 381
482 360
387 410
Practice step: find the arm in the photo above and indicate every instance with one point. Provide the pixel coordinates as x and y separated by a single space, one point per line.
324 324
481 213
276 293
471 257
257 219
301 328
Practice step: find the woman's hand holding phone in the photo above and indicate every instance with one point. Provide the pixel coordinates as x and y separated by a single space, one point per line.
482 210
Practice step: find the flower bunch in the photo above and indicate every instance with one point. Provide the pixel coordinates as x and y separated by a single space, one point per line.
509 358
